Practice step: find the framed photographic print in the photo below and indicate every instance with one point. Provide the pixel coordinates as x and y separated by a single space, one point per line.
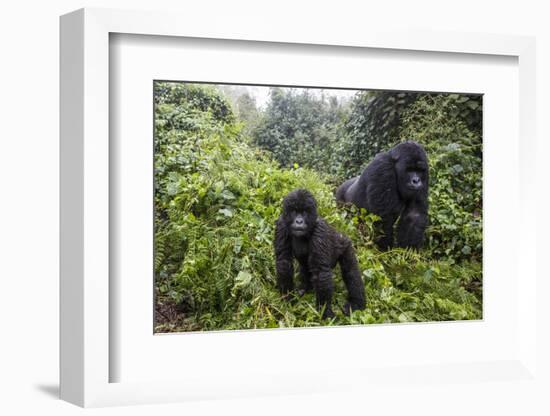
237 210
229 158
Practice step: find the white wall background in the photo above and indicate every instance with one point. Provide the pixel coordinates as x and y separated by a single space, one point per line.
29 187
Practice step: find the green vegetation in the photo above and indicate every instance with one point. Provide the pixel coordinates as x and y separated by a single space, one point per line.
222 167
298 127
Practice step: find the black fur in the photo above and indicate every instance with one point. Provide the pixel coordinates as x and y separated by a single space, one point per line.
394 185
300 233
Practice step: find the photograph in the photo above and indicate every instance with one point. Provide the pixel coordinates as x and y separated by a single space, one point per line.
291 207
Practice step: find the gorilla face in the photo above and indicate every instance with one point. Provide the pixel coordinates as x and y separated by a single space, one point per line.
300 212
411 169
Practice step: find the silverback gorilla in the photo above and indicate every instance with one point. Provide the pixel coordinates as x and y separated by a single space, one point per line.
394 184
303 235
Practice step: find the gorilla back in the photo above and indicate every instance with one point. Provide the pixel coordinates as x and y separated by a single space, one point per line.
394 185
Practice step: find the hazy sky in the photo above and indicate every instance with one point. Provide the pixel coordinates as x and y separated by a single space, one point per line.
261 94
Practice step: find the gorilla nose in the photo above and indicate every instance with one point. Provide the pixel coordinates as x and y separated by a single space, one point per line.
416 182
299 221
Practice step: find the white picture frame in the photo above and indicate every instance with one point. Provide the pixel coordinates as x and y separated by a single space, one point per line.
86 356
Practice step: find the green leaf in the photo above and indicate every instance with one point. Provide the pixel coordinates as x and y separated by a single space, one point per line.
403 318
226 211
243 279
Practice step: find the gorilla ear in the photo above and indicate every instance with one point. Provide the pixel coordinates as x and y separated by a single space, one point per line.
394 156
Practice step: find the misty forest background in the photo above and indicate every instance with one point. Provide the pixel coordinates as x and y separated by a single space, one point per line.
223 164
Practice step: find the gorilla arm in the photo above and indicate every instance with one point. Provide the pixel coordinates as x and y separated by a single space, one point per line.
283 258
412 224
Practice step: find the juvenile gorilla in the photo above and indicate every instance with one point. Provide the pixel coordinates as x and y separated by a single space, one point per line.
394 184
303 235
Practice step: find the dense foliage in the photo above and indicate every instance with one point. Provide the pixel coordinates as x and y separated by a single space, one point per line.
372 127
217 196
301 128
378 120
